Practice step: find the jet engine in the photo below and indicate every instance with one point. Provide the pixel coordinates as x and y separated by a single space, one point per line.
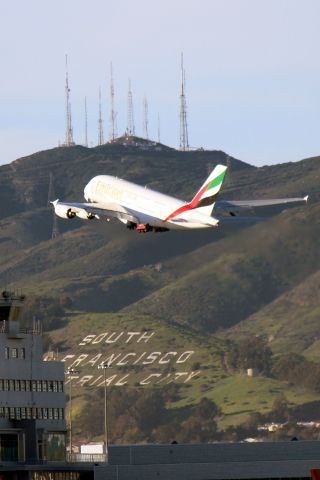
64 212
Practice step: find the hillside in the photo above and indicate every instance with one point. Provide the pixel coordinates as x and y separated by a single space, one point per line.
193 287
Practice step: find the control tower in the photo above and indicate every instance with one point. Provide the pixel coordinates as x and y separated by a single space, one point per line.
32 399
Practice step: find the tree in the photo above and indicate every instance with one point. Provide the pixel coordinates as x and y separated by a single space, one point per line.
280 409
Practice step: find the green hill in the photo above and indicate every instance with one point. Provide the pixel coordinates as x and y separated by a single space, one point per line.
206 290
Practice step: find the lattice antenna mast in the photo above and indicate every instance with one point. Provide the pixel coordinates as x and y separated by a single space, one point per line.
113 113
100 122
130 120
184 140
85 122
158 128
145 118
69 131
51 197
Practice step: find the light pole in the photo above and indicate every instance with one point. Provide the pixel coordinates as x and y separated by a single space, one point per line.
104 367
70 372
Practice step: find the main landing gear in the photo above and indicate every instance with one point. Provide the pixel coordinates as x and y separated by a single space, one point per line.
145 227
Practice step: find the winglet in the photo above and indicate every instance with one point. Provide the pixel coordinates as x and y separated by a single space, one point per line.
54 202
306 198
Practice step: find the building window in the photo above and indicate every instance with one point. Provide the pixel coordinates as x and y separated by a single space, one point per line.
22 353
45 413
6 385
11 413
14 353
1 385
39 386
6 353
17 385
55 413
50 386
60 386
23 385
11 385
44 386
23 413
28 385
34 385
28 413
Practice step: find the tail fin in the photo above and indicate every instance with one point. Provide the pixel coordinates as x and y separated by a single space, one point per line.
205 198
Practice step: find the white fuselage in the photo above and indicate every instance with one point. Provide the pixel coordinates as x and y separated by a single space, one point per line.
149 206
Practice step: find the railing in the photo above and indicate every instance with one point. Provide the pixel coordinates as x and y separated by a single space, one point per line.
87 457
5 328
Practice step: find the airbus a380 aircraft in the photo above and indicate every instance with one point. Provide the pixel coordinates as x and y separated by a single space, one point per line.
146 210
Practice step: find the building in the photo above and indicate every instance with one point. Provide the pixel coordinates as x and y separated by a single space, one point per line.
32 399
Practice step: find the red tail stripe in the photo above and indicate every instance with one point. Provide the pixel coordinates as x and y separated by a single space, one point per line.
189 206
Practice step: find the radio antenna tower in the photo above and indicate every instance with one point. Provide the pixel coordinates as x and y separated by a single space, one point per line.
69 131
184 141
145 118
130 121
113 113
85 123
51 197
100 122
158 128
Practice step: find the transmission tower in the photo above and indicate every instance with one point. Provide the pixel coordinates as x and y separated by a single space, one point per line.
69 132
85 123
113 113
158 128
145 118
51 197
100 122
184 141
130 131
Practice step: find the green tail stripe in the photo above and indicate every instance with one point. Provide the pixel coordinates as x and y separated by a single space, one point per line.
216 181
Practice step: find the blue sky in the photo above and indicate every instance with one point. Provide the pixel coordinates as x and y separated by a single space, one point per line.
252 72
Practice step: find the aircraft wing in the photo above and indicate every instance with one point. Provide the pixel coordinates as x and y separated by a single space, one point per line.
94 210
226 204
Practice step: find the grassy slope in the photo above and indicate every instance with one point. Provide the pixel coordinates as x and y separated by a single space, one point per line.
208 279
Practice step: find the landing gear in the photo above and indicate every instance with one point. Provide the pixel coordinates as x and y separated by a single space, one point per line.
145 227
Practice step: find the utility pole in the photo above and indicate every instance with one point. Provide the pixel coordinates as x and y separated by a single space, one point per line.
104 367
158 128
51 198
70 372
145 118
100 122
113 113
130 131
85 123
69 131
184 140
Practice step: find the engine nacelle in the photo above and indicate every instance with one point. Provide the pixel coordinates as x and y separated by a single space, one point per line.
64 212
85 216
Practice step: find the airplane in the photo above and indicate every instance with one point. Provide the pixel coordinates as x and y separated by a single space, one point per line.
146 210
